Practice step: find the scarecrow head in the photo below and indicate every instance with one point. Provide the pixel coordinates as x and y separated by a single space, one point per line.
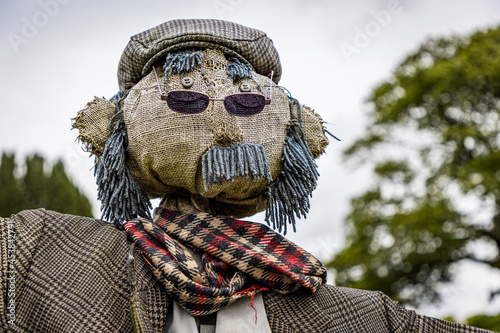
200 119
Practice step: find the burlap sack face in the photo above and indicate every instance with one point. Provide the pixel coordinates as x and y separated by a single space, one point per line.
165 147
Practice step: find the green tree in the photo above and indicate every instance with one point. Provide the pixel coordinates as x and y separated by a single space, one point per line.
433 140
39 186
489 322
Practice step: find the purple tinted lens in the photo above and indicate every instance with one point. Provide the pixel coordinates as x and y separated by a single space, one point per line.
244 104
187 102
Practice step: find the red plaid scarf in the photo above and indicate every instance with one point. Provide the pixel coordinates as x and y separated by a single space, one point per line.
239 258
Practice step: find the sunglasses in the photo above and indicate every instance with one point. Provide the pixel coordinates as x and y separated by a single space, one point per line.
194 102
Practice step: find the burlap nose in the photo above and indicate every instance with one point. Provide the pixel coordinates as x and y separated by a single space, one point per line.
250 45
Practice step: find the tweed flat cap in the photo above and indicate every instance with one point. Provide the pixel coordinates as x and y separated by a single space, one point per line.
250 45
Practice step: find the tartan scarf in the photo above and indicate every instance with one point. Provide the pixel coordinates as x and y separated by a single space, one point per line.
238 259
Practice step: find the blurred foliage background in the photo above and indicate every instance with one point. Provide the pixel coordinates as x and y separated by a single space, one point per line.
35 184
433 139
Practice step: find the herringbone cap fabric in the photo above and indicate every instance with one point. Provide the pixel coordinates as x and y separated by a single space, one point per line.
250 45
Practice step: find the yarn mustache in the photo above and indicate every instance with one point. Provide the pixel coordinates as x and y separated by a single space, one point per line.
227 163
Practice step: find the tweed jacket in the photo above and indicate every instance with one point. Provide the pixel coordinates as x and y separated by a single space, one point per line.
65 273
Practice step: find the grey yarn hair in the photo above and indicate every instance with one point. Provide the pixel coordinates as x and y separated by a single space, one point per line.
227 163
238 70
288 196
185 61
121 198
181 62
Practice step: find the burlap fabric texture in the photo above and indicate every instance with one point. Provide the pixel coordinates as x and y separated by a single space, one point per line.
93 124
165 147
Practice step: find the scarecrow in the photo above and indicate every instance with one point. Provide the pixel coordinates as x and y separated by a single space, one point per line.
200 122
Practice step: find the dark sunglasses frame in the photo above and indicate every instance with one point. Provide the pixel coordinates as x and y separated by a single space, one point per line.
243 104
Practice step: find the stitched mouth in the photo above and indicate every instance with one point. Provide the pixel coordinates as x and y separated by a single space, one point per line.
244 160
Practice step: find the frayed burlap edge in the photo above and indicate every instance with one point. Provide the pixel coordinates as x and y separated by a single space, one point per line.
92 123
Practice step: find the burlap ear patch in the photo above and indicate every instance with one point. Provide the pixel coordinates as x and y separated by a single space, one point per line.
313 130
92 123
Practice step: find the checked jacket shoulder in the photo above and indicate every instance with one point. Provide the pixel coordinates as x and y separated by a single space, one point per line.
71 275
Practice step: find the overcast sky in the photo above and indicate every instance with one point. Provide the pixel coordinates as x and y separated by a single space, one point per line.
56 55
